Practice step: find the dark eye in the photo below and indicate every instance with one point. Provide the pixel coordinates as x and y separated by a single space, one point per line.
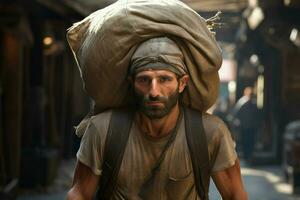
142 79
163 79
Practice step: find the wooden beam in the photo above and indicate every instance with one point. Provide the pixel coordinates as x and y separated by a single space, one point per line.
60 7
86 7
78 7
214 5
53 5
12 99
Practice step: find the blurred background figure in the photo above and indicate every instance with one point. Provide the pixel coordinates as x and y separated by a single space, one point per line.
247 119
221 109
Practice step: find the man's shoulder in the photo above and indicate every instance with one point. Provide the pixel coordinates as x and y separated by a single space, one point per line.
101 120
210 121
208 117
213 125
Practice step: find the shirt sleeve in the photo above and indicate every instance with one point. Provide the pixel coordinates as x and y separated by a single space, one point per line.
89 152
224 155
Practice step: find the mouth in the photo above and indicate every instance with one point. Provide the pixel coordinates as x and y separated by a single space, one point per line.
154 103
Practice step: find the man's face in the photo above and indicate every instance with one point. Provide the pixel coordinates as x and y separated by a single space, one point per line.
157 92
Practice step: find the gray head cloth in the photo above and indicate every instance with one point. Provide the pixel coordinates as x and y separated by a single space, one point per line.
158 53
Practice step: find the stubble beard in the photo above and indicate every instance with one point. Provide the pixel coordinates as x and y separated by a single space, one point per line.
157 112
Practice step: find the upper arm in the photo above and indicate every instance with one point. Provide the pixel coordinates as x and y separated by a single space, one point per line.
89 158
229 183
85 183
221 146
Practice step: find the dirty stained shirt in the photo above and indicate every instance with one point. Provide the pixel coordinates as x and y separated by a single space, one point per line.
175 178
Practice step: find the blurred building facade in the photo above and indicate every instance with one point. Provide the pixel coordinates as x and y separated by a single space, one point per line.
267 53
41 96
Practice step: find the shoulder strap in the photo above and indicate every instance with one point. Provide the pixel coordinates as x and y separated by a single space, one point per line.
197 143
114 148
116 141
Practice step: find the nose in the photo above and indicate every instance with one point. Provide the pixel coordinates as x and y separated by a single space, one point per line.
154 89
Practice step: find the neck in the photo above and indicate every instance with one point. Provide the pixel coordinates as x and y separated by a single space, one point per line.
158 128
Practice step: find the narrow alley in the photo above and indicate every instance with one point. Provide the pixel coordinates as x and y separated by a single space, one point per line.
46 95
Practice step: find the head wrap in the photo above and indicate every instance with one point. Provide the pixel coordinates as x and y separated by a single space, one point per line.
158 53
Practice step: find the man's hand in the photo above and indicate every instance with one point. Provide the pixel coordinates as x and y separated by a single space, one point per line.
229 183
84 184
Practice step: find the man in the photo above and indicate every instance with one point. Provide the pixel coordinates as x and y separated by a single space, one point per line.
159 76
247 118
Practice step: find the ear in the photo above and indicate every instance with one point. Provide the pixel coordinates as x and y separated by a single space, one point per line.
183 82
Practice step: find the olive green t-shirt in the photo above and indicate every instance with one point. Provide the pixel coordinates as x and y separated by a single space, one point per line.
175 179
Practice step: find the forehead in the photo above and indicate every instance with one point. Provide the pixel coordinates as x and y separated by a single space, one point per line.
154 73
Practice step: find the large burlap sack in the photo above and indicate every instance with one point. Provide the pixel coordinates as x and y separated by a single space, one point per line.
104 42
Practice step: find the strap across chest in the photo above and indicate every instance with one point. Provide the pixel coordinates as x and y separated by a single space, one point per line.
117 137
